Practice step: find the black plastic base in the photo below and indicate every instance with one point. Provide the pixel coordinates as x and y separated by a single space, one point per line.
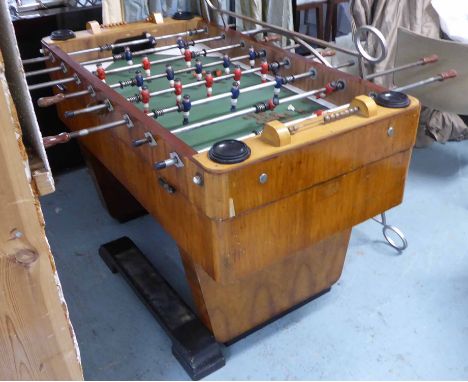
192 343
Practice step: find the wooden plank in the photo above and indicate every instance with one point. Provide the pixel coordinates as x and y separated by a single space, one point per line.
36 337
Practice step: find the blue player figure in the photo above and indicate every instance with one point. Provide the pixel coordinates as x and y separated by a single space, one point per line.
235 92
181 45
128 56
139 80
170 75
226 64
278 85
252 57
199 69
186 106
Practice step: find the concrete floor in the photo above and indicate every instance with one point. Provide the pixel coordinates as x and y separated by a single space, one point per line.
390 316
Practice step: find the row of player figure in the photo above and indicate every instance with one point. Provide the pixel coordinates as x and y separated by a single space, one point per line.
146 63
184 103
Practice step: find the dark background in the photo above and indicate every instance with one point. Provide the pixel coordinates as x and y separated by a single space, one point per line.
29 32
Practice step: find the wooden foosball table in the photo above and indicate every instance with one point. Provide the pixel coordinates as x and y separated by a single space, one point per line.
259 179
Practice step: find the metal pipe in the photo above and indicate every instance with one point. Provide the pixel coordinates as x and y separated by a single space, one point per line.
283 31
44 71
203 52
89 109
242 112
345 64
148 51
440 77
53 83
37 59
66 137
420 62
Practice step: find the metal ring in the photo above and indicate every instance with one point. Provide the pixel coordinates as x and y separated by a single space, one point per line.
385 231
380 39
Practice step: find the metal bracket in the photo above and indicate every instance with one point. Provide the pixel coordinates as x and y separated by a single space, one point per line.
178 162
128 120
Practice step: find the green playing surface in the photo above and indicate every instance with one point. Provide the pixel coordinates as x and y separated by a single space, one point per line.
207 135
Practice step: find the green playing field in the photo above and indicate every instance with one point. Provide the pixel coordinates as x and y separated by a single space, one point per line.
233 128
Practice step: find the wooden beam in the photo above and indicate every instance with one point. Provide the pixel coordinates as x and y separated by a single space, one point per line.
36 337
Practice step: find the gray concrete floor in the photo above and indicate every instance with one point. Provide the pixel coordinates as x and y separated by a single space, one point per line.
389 317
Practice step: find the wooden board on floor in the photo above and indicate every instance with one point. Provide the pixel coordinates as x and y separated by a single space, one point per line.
37 341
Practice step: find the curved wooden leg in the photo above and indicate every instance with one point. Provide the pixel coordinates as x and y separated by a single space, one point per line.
120 204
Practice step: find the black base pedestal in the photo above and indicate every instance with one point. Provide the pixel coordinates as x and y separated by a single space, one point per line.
192 343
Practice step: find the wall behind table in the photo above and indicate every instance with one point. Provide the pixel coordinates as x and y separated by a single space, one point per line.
29 32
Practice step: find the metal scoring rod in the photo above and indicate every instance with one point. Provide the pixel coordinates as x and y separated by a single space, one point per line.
148 51
136 98
59 97
66 137
422 61
112 46
258 108
288 79
203 52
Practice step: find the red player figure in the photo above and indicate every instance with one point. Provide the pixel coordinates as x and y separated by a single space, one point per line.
188 58
145 98
237 74
100 72
146 64
178 90
209 83
264 70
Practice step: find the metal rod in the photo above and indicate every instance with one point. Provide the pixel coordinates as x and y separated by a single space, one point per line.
283 31
89 109
59 97
420 62
136 42
43 71
345 64
106 126
203 52
440 77
66 137
248 89
242 112
52 83
37 59
148 51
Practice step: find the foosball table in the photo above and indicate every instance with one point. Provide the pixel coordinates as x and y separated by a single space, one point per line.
257 161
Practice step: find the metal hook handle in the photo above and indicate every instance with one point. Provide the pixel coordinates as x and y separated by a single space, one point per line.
390 228
380 39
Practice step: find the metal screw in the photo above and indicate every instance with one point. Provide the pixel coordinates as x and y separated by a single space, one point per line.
198 180
390 131
263 178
